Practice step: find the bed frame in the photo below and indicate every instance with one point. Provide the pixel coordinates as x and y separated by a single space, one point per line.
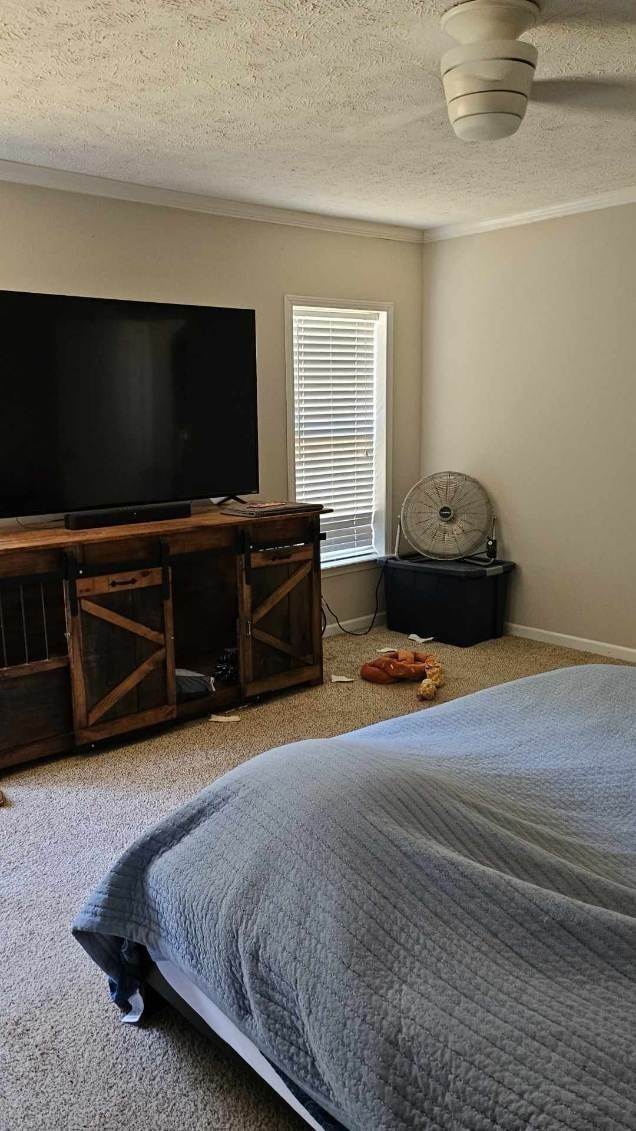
230 1037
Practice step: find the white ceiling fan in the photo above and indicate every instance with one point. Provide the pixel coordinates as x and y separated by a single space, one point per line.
489 77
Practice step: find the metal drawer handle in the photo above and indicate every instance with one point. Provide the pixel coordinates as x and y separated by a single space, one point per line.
126 581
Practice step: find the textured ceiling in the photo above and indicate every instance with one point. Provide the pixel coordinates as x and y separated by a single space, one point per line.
331 106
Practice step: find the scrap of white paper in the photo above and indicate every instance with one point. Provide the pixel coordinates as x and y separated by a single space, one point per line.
421 639
136 1003
342 679
225 718
386 649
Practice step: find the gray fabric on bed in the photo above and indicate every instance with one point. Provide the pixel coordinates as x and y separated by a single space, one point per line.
428 923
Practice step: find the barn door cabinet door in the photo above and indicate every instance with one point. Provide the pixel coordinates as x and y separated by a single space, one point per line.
121 643
281 641
35 700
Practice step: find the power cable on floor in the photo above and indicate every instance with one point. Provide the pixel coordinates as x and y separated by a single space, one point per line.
348 631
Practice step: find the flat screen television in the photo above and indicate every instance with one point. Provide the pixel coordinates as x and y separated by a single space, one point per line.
107 403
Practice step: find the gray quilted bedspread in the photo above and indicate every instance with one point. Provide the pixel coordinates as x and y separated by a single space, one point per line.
428 923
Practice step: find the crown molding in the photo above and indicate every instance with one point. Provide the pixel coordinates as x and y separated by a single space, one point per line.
613 199
41 176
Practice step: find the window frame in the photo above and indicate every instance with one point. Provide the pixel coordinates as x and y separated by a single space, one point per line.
382 520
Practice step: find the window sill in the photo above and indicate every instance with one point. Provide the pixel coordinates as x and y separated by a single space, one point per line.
351 565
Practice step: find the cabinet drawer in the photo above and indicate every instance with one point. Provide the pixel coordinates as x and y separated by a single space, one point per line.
214 538
288 530
119 582
281 555
105 557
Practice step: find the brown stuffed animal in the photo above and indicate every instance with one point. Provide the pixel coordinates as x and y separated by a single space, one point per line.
396 666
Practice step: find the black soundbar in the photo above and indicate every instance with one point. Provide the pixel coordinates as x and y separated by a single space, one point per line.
119 516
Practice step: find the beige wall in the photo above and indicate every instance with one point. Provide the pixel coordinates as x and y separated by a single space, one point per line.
530 385
529 358
63 242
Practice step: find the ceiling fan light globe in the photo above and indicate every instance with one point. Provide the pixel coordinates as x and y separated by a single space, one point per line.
487 115
486 127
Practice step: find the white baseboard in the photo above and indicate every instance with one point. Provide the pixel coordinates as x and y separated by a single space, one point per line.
559 639
616 651
357 625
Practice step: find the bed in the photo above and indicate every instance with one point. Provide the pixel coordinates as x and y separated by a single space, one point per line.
428 923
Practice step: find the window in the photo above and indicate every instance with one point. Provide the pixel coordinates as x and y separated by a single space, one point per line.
337 382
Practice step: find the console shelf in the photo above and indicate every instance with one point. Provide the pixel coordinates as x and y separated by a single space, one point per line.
95 623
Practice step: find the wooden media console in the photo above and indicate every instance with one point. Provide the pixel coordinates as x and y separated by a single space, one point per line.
95 623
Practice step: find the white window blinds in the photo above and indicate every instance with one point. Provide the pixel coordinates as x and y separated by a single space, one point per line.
336 370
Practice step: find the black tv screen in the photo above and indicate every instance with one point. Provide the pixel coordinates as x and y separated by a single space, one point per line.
110 403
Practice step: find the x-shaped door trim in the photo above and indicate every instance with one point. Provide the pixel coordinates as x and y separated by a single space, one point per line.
270 603
116 693
135 677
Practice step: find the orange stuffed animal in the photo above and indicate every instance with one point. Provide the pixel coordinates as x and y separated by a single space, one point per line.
396 666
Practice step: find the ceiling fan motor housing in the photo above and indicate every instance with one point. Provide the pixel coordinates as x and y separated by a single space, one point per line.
488 77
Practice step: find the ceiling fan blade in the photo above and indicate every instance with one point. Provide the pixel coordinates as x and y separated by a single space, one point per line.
404 118
610 13
432 107
394 121
614 94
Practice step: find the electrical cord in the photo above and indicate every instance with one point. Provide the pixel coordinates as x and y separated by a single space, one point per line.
365 631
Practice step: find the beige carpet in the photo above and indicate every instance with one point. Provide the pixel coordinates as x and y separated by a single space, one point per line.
66 1060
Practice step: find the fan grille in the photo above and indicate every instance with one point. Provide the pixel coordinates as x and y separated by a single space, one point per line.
447 516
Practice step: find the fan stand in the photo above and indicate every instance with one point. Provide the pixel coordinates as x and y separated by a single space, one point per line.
487 558
396 549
